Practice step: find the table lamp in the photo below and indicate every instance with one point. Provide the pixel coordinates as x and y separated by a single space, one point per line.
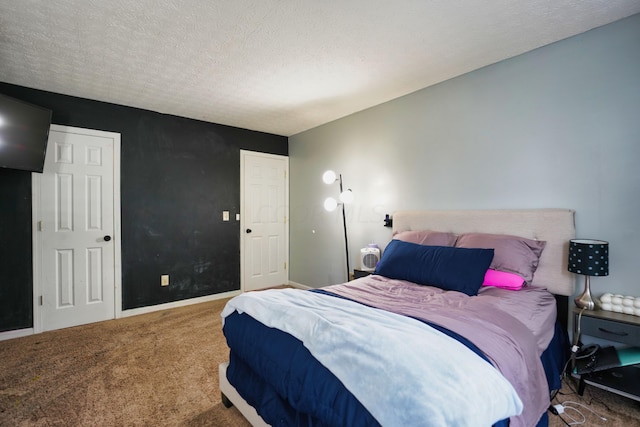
589 258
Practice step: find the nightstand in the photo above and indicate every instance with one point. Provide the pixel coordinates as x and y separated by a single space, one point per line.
360 273
619 328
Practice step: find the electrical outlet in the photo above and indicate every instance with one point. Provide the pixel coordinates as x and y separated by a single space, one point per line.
164 280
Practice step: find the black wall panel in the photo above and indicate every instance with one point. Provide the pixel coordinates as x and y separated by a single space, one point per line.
177 176
16 272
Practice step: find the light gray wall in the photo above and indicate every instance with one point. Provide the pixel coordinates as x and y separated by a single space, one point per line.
555 127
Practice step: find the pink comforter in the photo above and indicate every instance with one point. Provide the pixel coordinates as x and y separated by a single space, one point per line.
512 328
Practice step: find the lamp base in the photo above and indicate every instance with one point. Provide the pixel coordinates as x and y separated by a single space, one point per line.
584 300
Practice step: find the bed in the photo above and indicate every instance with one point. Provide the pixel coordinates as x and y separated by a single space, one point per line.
443 333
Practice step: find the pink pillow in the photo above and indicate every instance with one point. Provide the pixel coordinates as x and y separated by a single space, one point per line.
502 279
426 237
513 254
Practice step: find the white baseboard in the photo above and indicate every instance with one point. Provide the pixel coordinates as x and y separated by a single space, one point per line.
300 285
176 304
135 311
150 309
16 334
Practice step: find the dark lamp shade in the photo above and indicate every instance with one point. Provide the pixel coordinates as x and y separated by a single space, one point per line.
589 257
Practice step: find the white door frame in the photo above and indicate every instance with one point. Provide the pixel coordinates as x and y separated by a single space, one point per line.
36 179
243 154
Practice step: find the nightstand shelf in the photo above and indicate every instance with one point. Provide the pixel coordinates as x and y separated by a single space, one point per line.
619 328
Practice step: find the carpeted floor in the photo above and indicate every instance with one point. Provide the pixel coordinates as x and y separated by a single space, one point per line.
157 369
595 403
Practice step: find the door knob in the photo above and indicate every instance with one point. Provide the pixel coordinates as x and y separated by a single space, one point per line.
107 238
248 230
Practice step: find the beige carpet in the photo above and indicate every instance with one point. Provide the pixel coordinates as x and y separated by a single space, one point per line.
158 369
619 411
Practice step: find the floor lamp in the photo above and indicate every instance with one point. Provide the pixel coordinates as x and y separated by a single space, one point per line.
330 204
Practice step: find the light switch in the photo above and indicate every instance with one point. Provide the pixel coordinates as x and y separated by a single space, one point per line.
225 215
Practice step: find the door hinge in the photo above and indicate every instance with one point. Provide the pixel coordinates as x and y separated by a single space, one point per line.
285 265
40 299
40 226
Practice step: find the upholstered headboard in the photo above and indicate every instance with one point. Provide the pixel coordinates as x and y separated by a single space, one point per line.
555 226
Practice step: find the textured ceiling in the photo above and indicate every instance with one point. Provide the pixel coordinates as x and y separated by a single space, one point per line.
277 66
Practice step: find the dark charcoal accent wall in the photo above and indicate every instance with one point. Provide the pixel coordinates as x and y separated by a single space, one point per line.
177 176
16 271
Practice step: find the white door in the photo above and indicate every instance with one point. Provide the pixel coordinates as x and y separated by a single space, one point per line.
75 234
264 224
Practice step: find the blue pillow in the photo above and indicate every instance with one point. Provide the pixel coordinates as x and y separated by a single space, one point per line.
449 268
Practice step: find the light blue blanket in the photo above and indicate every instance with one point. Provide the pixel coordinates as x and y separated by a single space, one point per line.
402 370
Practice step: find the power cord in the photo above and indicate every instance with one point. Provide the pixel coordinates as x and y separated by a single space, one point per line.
576 338
575 348
561 408
557 410
576 353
